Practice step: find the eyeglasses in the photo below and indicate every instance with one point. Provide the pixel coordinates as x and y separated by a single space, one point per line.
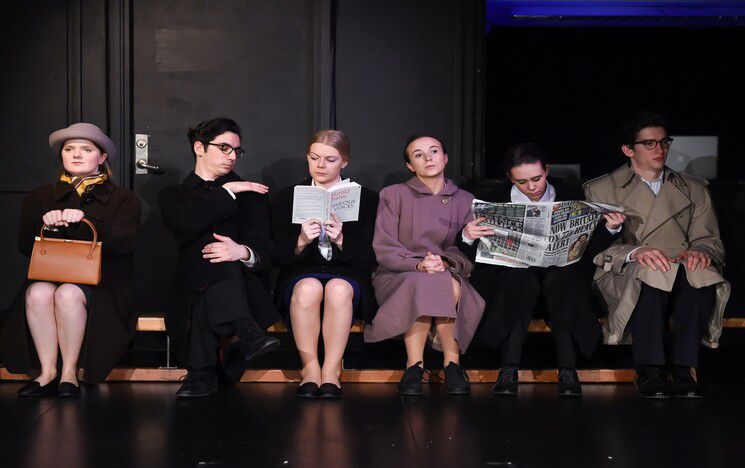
227 149
652 144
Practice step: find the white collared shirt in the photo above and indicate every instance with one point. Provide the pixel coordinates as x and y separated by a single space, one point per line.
324 245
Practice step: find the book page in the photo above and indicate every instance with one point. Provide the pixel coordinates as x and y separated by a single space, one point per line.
309 202
345 201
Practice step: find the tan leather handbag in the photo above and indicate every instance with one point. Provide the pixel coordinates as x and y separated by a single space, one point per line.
66 260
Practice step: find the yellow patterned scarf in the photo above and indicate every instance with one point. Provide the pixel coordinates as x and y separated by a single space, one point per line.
82 183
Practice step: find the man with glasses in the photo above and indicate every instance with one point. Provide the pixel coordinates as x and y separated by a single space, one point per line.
221 227
665 267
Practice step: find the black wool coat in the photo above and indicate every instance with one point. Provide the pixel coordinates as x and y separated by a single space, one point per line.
356 259
503 307
193 211
112 319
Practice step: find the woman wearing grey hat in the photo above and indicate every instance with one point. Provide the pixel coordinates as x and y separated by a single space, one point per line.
89 326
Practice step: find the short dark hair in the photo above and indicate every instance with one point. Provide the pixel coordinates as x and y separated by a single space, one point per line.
637 122
523 153
209 129
413 138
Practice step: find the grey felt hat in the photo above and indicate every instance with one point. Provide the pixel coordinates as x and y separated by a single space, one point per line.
85 131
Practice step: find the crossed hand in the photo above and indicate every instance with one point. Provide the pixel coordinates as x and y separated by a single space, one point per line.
657 260
431 264
62 217
225 250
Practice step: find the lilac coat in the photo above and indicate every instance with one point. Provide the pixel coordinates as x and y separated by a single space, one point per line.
411 221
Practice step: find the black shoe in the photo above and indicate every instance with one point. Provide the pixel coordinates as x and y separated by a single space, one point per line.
569 383
198 383
307 390
35 389
506 382
684 385
456 380
411 382
329 390
238 354
650 383
68 390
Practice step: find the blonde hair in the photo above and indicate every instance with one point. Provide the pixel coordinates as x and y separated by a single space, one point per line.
335 139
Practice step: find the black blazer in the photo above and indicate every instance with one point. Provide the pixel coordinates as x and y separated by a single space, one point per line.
193 211
356 260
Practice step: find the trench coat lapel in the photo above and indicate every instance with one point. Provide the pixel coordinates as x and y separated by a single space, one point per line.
670 201
636 198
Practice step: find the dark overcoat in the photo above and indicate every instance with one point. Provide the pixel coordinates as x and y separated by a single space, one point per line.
506 307
356 260
112 320
193 211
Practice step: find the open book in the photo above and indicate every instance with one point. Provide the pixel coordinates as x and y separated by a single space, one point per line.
311 201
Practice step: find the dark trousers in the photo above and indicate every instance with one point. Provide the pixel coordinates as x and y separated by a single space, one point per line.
689 308
222 310
512 295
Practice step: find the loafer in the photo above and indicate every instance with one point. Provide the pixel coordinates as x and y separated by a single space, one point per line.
456 380
198 384
506 382
35 389
68 390
329 390
411 382
651 384
307 390
238 355
569 385
684 385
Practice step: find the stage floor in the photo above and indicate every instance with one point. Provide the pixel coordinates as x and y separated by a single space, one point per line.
257 425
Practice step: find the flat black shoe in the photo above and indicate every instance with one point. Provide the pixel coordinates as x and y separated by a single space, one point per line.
307 390
411 382
456 380
68 390
569 385
329 390
684 385
35 389
198 383
506 382
238 355
651 384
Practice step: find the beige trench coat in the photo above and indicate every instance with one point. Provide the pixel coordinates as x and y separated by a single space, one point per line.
680 217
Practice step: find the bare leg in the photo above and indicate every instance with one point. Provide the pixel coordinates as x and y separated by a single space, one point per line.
446 331
337 320
415 338
69 309
41 323
305 314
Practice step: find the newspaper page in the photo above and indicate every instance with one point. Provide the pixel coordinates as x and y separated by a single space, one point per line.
537 234
312 201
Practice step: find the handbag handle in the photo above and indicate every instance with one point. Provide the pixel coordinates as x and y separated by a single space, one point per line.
90 225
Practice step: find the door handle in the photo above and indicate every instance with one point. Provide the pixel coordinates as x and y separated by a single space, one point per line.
142 165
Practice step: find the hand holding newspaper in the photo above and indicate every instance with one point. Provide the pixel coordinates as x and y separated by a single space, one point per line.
314 201
537 234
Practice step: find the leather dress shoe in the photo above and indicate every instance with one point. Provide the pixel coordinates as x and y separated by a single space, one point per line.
506 382
329 390
198 383
238 354
411 382
684 385
35 389
68 390
307 390
650 383
456 380
569 385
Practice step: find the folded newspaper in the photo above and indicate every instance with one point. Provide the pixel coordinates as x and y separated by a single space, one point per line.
537 234
314 201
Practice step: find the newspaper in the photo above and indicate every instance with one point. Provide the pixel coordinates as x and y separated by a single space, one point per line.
537 234
314 201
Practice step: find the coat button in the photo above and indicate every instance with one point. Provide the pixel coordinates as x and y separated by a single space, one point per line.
445 201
